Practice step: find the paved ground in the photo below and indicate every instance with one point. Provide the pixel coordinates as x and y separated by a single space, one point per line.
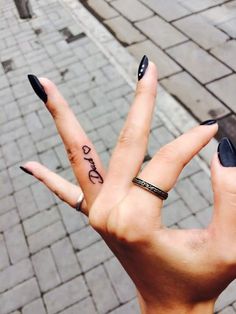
193 43
51 261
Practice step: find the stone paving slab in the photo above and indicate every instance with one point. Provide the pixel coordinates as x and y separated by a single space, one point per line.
201 35
36 228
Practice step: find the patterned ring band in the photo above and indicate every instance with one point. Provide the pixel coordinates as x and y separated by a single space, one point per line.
79 202
150 188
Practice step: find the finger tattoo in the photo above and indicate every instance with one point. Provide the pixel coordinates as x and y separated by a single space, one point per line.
93 174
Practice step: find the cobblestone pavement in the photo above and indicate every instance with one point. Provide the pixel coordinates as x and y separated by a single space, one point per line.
51 261
193 43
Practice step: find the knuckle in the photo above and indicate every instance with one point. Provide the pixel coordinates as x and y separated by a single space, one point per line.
168 154
123 231
132 134
73 153
55 110
227 259
128 235
96 220
145 90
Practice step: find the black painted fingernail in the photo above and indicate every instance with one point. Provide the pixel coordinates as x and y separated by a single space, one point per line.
26 170
227 153
208 122
142 67
37 87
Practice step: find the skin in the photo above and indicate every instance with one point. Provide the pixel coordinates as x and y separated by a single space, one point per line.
175 271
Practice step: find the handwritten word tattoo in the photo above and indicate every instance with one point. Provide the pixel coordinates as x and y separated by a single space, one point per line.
94 175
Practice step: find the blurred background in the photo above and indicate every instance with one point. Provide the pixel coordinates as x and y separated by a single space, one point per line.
51 261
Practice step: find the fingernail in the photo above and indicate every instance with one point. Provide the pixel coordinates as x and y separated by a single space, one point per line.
227 153
208 122
26 170
142 67
37 87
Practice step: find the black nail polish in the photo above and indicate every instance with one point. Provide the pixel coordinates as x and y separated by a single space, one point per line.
227 153
142 67
208 122
26 171
37 87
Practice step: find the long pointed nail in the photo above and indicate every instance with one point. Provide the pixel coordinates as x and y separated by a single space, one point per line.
37 87
142 67
26 170
208 122
227 153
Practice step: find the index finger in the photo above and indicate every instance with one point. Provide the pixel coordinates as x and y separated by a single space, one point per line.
82 154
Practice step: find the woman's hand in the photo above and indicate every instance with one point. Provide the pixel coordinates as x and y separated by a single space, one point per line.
179 271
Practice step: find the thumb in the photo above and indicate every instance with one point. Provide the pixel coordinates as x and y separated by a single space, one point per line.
223 171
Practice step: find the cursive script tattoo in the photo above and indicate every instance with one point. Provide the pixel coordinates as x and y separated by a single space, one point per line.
94 175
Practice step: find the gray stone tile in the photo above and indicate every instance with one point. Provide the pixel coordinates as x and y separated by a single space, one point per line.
194 96
226 53
133 10
9 219
168 9
124 287
42 196
190 223
4 258
220 14
198 5
11 153
5 183
226 297
7 203
130 36
46 144
26 146
49 158
162 33
191 195
227 310
225 90
191 168
16 244
102 8
198 62
45 269
40 220
201 31
174 212
46 236
165 65
103 293
15 274
85 306
229 27
131 307
36 307
205 216
19 296
65 295
84 237
72 219
94 255
65 259
203 183
25 203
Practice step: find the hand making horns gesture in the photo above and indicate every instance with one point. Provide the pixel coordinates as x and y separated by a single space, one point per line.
175 271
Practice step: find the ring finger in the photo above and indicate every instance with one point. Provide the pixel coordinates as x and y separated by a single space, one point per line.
166 165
